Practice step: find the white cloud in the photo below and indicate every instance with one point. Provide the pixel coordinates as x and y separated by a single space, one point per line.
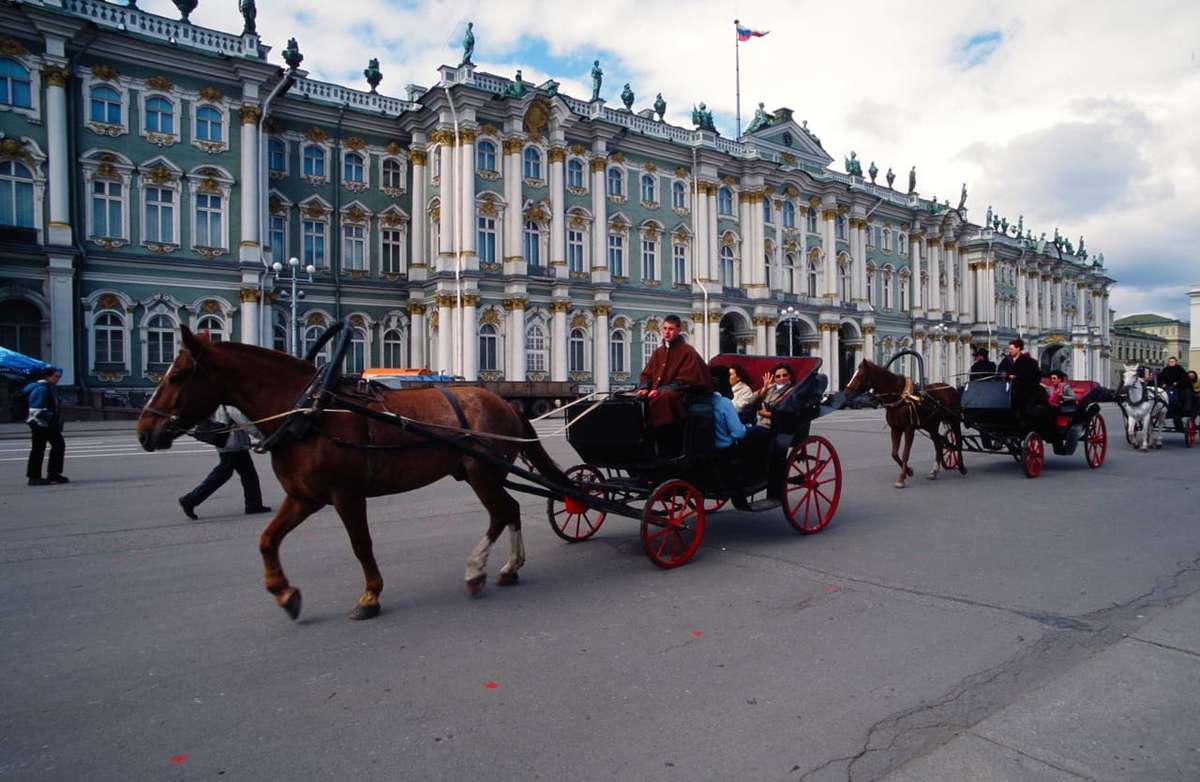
1084 116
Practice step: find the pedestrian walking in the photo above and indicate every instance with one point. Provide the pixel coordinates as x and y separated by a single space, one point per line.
45 426
234 452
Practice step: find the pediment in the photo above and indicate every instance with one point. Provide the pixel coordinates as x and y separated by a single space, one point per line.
784 135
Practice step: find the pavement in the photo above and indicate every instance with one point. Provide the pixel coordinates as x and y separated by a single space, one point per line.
984 627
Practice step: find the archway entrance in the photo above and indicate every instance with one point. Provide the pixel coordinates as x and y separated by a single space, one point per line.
736 334
794 337
21 327
1056 357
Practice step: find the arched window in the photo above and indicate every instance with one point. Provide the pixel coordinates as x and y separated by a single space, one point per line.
485 156
789 273
15 88
105 105
356 356
650 342
575 351
616 352
311 335
727 267
575 173
213 325
535 348
532 163
767 270
810 221
16 194
109 335
844 280
279 338
533 244
789 214
840 227
276 155
314 161
393 175
489 344
887 240
902 244
393 349
767 210
812 277
904 282
208 124
160 116
352 170
679 196
725 202
648 189
160 342
887 289
616 182
870 279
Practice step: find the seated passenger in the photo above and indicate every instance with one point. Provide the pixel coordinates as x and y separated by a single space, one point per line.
674 372
777 387
743 394
1060 391
728 433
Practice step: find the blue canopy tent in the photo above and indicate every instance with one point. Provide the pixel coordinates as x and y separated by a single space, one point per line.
18 365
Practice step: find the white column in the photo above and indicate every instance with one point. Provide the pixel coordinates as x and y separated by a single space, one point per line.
470 339
558 226
600 346
829 250
758 257
419 256
558 340
917 297
416 334
1022 300
445 335
466 191
714 334
514 248
59 167
1059 318
516 339
935 373
600 270
869 342
446 227
62 314
248 248
746 225
248 316
934 307
966 307
699 258
714 239
951 251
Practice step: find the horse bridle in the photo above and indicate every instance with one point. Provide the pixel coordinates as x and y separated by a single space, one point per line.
172 425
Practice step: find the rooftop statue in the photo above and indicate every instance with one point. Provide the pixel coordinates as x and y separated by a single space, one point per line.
597 80
912 180
1100 260
468 44
853 166
890 176
873 171
517 88
1082 252
1004 225
185 8
551 88
702 118
1020 224
660 107
292 55
373 74
627 97
761 119
962 197
987 221
249 14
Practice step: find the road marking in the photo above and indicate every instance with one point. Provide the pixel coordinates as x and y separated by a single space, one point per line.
110 455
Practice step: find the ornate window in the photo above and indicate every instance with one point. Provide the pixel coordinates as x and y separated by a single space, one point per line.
650 342
535 348
354 246
678 196
485 156
789 214
278 236
105 105
108 208
616 182
904 282
394 354
840 227
617 352
108 334
277 156
902 244
812 277
532 163
575 251
487 239
616 254
887 240
679 263
870 279
844 279
728 267
533 243
767 263
314 161
649 259
213 326
575 175
575 351
790 273
15 86
160 116
352 168
356 356
210 125
810 221
16 194
725 202
160 343
208 225
393 176
313 232
489 343
887 288
158 215
649 191
311 335
392 243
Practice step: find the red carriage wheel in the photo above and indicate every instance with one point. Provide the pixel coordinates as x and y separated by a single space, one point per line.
572 519
1034 455
951 448
1095 441
812 485
673 523
714 504
1189 433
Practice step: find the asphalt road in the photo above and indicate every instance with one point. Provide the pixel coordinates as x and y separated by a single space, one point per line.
139 645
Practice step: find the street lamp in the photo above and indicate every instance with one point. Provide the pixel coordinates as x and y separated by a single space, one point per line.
789 313
293 277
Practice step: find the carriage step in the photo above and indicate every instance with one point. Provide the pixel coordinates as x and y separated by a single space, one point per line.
760 505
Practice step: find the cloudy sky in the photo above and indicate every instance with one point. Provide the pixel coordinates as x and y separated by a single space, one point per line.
1079 115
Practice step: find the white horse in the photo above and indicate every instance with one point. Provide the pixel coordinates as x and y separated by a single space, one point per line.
1145 405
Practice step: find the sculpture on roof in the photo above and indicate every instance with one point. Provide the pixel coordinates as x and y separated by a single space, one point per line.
761 119
468 44
292 55
185 9
551 88
962 197
249 14
660 107
873 171
1100 260
1020 224
597 80
373 74
702 118
627 97
987 221
516 89
853 166
1082 252
890 177
912 180
1004 225
1070 247
1057 237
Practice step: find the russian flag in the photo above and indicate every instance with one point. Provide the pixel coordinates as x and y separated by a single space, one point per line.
745 33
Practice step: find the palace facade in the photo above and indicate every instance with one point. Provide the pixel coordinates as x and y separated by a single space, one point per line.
151 171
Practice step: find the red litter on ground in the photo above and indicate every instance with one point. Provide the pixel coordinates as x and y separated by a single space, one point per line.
179 760
491 685
830 590
697 633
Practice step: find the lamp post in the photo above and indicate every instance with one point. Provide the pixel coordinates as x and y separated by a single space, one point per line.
789 313
293 277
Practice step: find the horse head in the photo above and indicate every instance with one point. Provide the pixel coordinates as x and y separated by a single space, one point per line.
860 390
1131 384
185 396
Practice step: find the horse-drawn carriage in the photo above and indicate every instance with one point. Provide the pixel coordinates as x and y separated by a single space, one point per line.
1149 410
987 408
672 487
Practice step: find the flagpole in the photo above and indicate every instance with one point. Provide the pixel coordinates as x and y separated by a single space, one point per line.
737 68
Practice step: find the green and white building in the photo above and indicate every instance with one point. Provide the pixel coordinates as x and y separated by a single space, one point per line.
151 171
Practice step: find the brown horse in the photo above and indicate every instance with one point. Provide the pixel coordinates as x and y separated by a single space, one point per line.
316 471
909 409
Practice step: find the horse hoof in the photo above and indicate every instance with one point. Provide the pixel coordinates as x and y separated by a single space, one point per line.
910 472
362 612
508 579
291 603
475 585
899 484
931 476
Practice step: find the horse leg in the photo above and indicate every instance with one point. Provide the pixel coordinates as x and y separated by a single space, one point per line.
353 510
937 452
962 463
291 513
503 511
908 442
896 458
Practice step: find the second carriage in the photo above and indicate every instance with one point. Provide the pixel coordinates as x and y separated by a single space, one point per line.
673 488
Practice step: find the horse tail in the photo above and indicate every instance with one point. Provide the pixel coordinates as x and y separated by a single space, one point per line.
536 455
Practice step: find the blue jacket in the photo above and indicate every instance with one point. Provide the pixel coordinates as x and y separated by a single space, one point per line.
43 404
726 426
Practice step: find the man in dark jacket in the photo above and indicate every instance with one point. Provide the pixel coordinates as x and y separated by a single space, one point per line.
234 456
982 367
1174 379
674 373
45 426
1020 369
